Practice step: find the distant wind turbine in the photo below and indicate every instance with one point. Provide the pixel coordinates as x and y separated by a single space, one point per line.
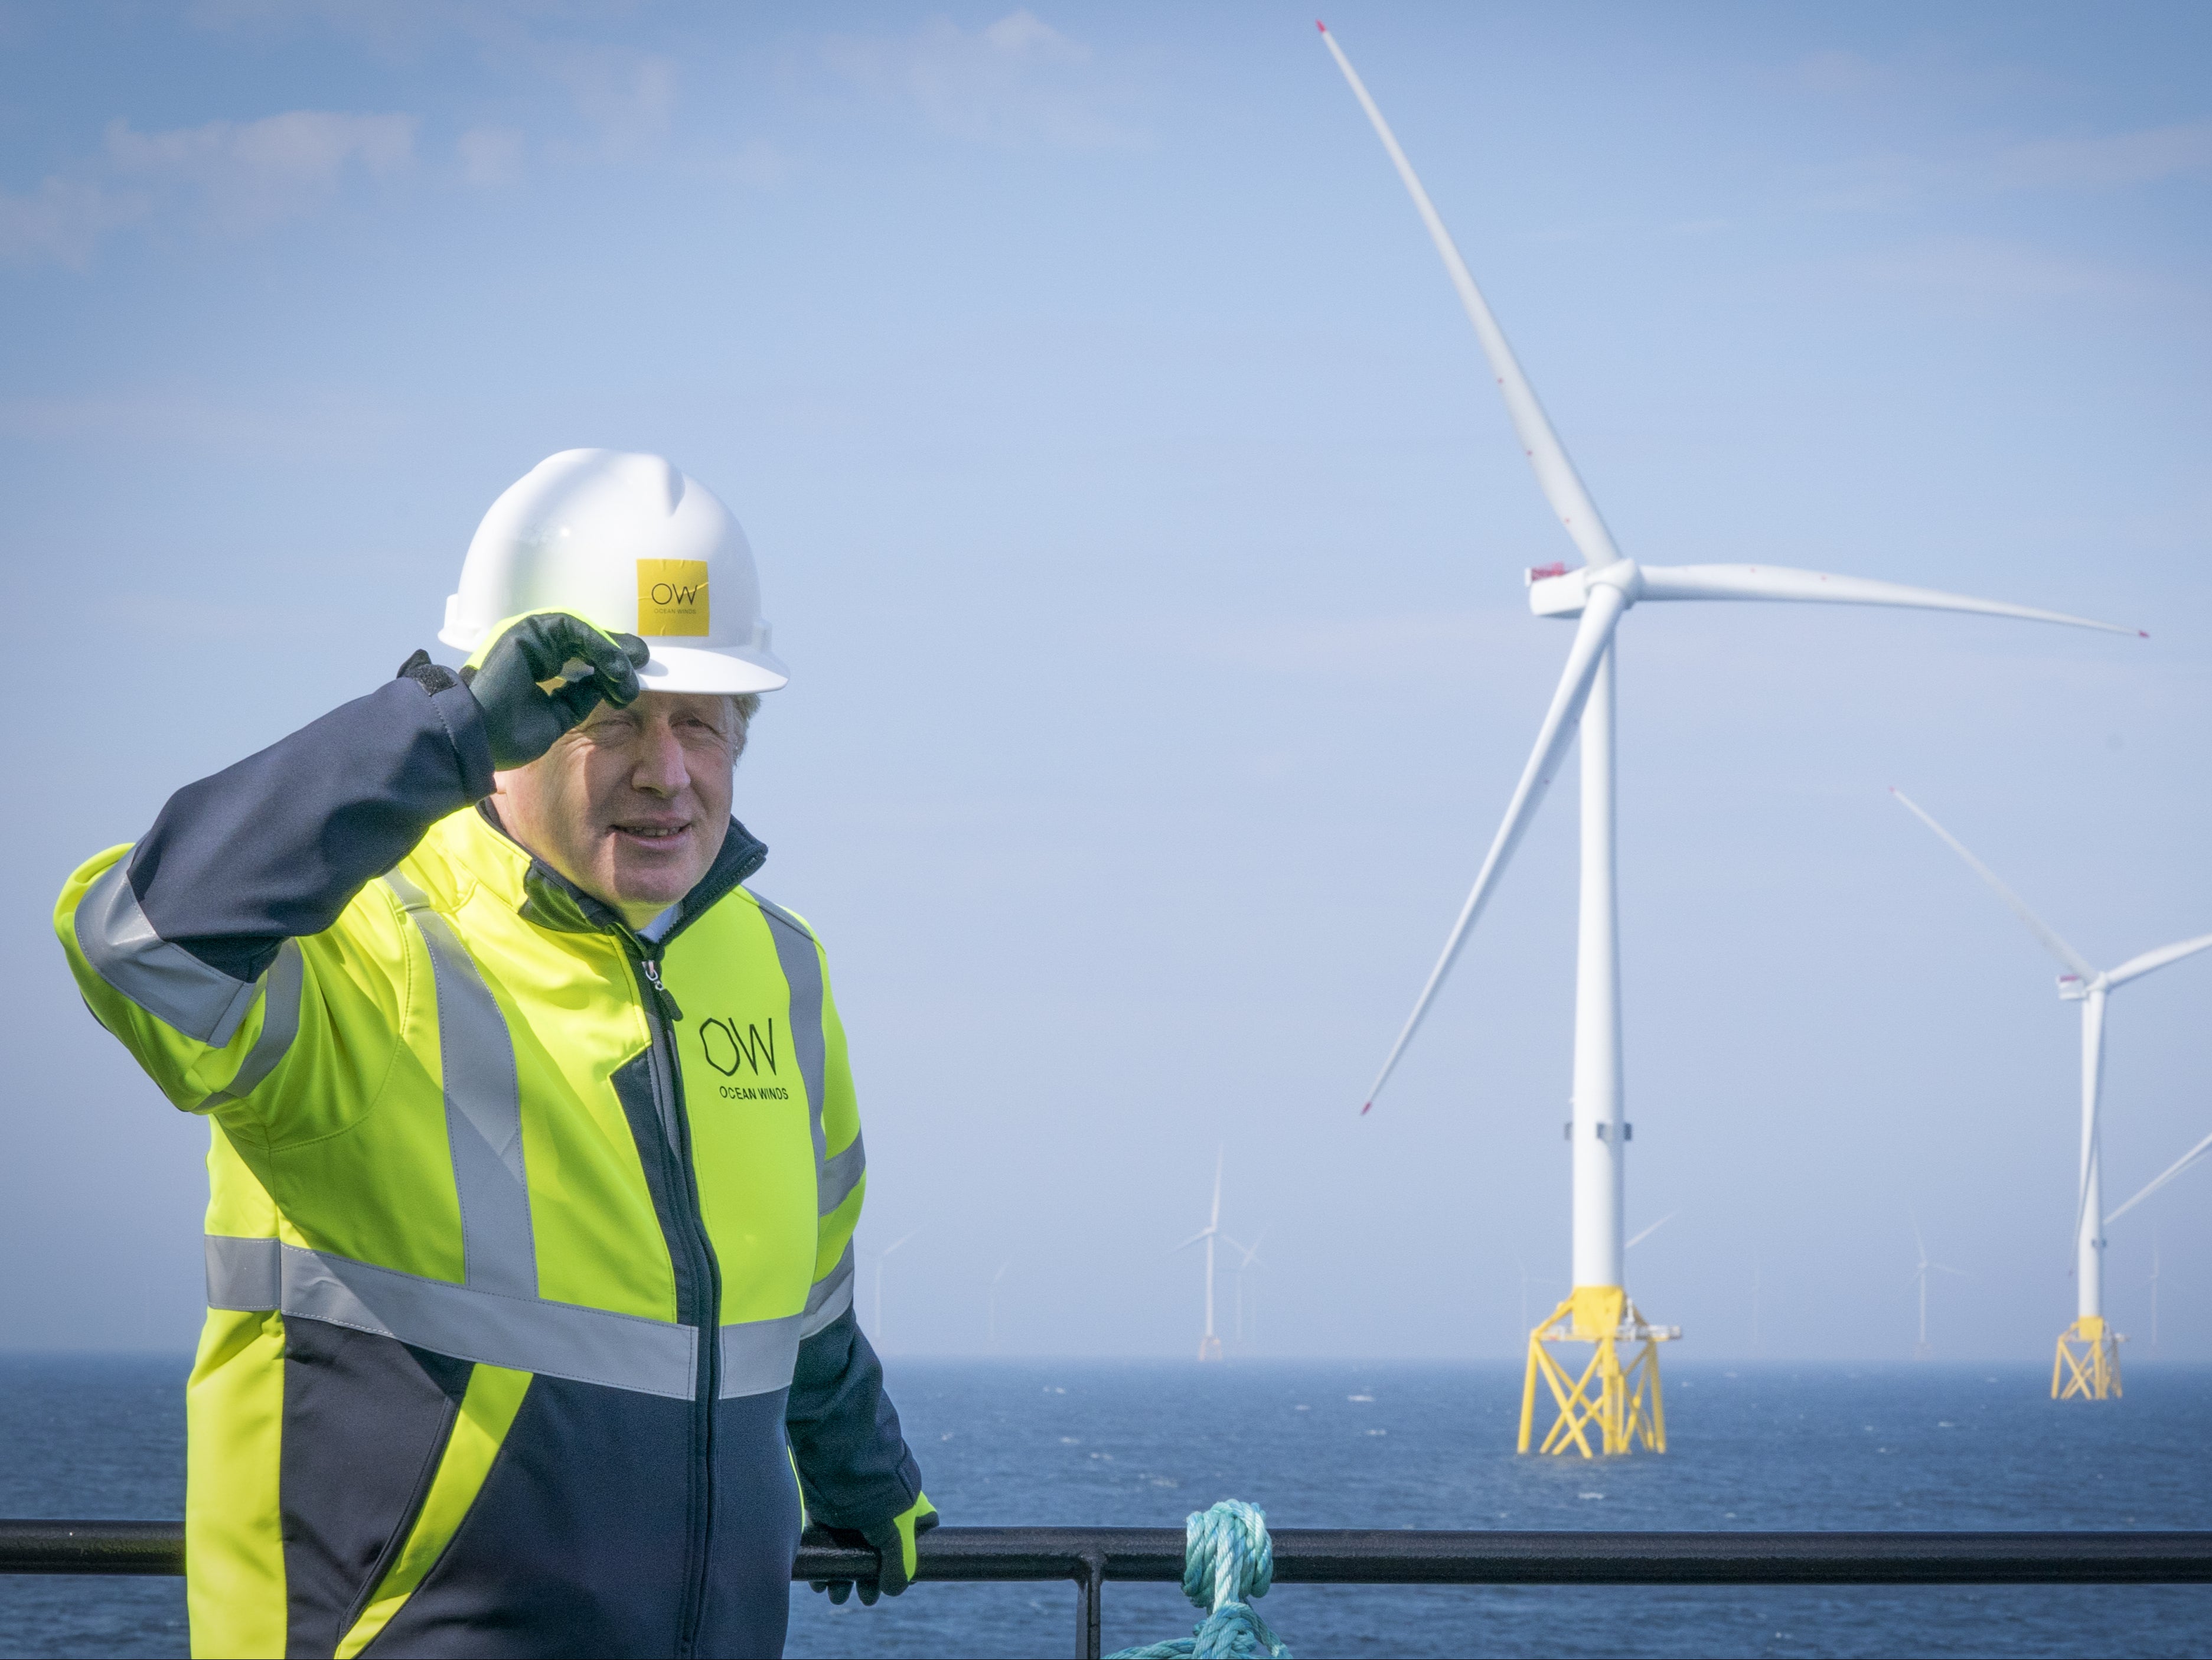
1596 596
1653 1229
880 1256
1251 1255
1209 1346
1920 1273
2088 1363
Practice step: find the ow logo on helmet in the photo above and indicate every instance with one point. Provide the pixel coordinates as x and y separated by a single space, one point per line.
672 596
728 1051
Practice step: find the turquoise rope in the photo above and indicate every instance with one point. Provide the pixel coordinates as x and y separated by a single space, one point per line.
1228 1564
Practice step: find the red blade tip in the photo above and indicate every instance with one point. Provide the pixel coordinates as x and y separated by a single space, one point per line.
1323 27
1364 1111
2142 634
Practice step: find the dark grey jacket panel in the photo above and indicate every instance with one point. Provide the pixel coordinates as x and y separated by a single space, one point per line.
851 1456
274 847
579 1541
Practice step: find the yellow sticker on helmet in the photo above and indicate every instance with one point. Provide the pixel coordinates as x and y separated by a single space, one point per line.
672 596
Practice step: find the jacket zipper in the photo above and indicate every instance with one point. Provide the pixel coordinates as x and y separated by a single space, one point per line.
660 1009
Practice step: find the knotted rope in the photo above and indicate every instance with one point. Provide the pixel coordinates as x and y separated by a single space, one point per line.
1228 1564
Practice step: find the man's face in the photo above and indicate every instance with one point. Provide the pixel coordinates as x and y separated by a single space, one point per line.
633 804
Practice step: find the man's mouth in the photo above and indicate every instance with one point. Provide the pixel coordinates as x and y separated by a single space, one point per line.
653 834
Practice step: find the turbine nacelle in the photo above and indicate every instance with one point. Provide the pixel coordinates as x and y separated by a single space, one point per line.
2072 988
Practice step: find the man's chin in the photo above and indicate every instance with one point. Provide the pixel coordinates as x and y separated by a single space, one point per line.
658 880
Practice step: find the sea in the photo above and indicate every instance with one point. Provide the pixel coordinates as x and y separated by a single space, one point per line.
1342 1444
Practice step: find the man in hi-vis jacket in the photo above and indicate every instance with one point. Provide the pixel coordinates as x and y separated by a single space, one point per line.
535 1157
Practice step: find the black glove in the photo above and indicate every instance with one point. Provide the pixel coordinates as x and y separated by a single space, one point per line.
523 721
893 1541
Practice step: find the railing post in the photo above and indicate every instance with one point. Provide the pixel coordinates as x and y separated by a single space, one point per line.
1089 1591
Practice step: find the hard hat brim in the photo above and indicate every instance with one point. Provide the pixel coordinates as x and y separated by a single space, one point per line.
693 668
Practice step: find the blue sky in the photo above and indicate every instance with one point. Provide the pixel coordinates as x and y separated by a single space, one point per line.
1146 542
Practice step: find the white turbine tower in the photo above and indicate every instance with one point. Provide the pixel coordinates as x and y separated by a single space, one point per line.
1623 1405
1920 1275
2088 1364
880 1256
1209 1345
1251 1255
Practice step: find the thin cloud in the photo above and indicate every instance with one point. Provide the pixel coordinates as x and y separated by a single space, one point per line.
2109 162
489 156
2105 161
1015 81
1982 270
252 173
233 177
1433 646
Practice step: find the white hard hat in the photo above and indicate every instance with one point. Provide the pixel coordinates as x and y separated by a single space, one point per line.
627 541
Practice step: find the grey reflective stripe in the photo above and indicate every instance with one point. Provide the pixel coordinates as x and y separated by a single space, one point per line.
280 1025
760 1355
483 1110
554 1339
166 981
242 1274
830 1297
841 1173
802 971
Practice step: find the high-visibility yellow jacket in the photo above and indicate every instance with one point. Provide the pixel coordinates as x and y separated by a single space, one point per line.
529 1239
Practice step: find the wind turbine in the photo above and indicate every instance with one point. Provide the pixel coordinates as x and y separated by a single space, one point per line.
1623 1405
1001 1275
2088 1364
1920 1273
1251 1255
1209 1346
880 1256
1637 1239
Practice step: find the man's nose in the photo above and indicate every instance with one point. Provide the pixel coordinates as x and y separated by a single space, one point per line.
660 770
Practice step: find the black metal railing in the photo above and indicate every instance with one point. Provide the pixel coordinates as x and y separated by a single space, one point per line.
1091 1556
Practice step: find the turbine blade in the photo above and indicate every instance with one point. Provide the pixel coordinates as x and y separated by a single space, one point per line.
2052 943
2136 967
1819 587
2192 1156
1219 1152
1653 1229
1592 636
1547 457
1188 1243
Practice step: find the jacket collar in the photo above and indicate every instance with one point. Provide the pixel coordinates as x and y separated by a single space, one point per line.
542 895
